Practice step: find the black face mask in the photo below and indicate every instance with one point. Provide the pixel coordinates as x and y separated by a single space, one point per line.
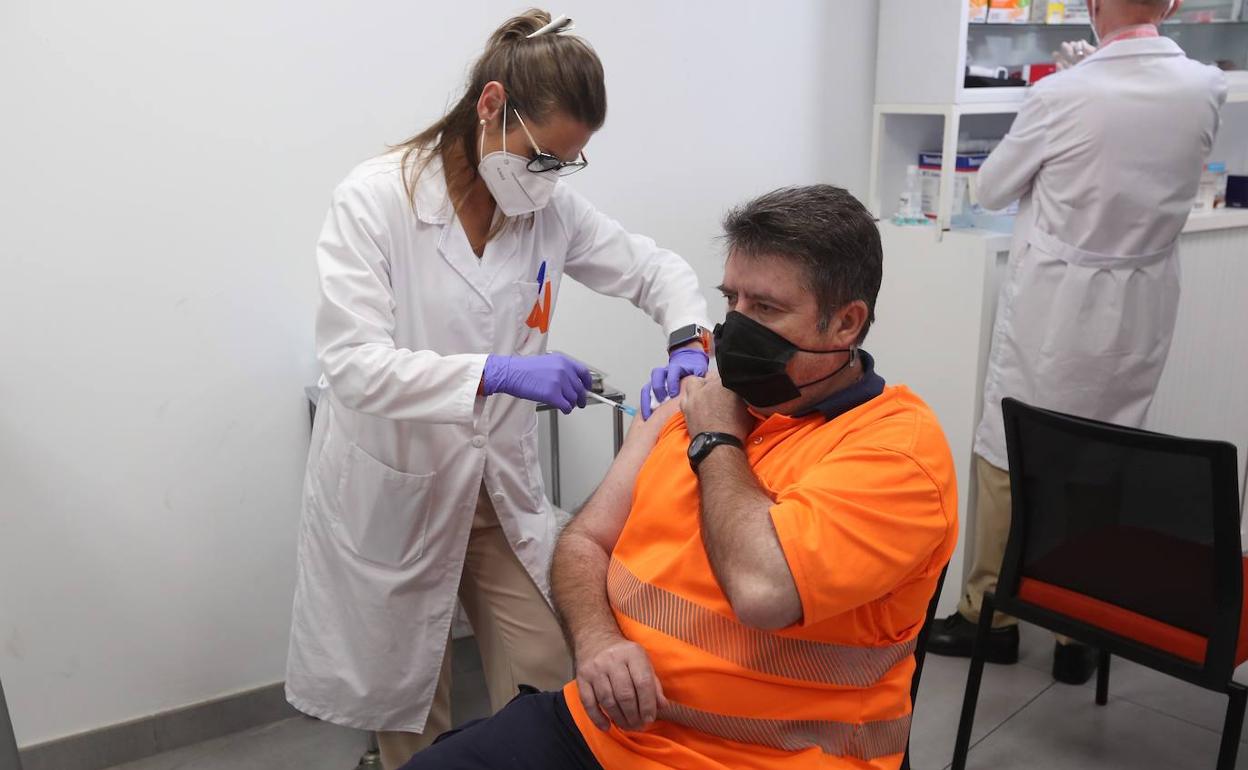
752 360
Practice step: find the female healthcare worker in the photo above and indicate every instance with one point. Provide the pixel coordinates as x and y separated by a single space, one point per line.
440 265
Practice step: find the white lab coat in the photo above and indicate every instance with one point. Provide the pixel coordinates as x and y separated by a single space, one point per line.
402 443
1106 158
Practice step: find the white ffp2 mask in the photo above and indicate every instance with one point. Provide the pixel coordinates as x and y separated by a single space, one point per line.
515 189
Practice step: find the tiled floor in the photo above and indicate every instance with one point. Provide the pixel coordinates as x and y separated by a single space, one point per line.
1024 721
305 743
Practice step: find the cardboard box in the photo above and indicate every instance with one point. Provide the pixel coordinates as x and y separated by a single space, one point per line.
1077 12
1009 11
966 165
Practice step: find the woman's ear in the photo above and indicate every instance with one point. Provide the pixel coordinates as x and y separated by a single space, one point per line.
492 102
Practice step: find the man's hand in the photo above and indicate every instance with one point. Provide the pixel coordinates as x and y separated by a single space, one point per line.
614 675
709 406
1072 53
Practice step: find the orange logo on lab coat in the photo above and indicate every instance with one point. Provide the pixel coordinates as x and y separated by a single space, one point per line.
539 316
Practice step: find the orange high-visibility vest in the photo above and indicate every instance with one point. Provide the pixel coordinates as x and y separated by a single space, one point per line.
866 513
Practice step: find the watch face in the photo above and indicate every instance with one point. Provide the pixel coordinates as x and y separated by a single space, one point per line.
695 447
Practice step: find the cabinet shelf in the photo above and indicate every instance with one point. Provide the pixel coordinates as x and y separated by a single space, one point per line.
922 104
990 101
1032 25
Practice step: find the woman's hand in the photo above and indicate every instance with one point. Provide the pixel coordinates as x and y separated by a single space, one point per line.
550 378
665 380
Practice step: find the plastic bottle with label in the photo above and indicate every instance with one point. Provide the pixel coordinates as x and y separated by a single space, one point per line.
910 202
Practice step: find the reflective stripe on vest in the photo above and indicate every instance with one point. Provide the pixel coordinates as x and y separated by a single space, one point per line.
864 741
751 648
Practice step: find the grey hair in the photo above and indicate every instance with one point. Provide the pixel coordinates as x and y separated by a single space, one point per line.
826 231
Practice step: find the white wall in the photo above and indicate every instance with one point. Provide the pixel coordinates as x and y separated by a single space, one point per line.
715 104
165 170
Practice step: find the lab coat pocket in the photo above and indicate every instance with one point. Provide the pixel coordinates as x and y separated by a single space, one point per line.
385 512
532 470
533 305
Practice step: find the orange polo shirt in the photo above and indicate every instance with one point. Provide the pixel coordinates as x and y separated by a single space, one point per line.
866 512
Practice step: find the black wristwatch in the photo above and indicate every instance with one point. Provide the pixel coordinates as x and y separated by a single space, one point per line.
691 333
703 443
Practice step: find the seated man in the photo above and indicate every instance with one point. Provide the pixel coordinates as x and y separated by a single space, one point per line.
745 588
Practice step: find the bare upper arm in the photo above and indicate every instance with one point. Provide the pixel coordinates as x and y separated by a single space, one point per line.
602 518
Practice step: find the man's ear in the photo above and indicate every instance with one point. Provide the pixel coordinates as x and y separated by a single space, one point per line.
848 322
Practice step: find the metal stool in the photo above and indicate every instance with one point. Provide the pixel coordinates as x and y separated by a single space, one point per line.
617 437
371 760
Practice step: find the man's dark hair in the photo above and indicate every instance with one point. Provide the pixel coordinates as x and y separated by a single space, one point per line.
826 231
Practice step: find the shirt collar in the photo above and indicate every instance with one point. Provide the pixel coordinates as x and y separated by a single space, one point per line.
1140 46
1133 32
866 388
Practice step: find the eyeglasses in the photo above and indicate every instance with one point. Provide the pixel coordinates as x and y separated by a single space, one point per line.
545 162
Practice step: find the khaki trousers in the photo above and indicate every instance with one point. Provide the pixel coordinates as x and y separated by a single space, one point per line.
992 529
515 629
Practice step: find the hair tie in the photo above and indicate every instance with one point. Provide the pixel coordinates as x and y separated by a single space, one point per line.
558 25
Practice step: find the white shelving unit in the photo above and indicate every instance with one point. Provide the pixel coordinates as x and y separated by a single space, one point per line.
922 103
921 57
949 277
893 148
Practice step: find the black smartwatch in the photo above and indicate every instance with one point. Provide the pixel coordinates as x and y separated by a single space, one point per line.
703 443
691 333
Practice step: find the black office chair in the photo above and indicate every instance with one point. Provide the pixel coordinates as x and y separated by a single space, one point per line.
1128 541
920 653
10 759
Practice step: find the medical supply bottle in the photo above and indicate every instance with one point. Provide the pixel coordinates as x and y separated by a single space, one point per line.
909 204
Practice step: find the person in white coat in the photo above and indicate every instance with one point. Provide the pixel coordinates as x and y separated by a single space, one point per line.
1106 157
440 267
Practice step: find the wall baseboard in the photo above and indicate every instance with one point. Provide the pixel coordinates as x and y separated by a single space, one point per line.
168 730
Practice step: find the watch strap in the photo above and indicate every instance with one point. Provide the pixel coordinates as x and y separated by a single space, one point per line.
691 333
707 441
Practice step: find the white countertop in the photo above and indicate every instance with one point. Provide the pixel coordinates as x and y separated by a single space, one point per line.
1220 219
996 240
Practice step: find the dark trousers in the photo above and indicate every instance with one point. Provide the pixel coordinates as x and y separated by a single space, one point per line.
534 731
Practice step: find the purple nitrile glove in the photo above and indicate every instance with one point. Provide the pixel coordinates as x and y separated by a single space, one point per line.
665 380
549 379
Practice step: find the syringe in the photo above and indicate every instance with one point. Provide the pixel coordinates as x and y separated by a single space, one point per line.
628 410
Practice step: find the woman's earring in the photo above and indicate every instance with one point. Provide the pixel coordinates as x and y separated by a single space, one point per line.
483 121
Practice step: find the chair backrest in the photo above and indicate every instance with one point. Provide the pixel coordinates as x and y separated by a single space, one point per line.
1146 522
920 651
920 647
9 758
